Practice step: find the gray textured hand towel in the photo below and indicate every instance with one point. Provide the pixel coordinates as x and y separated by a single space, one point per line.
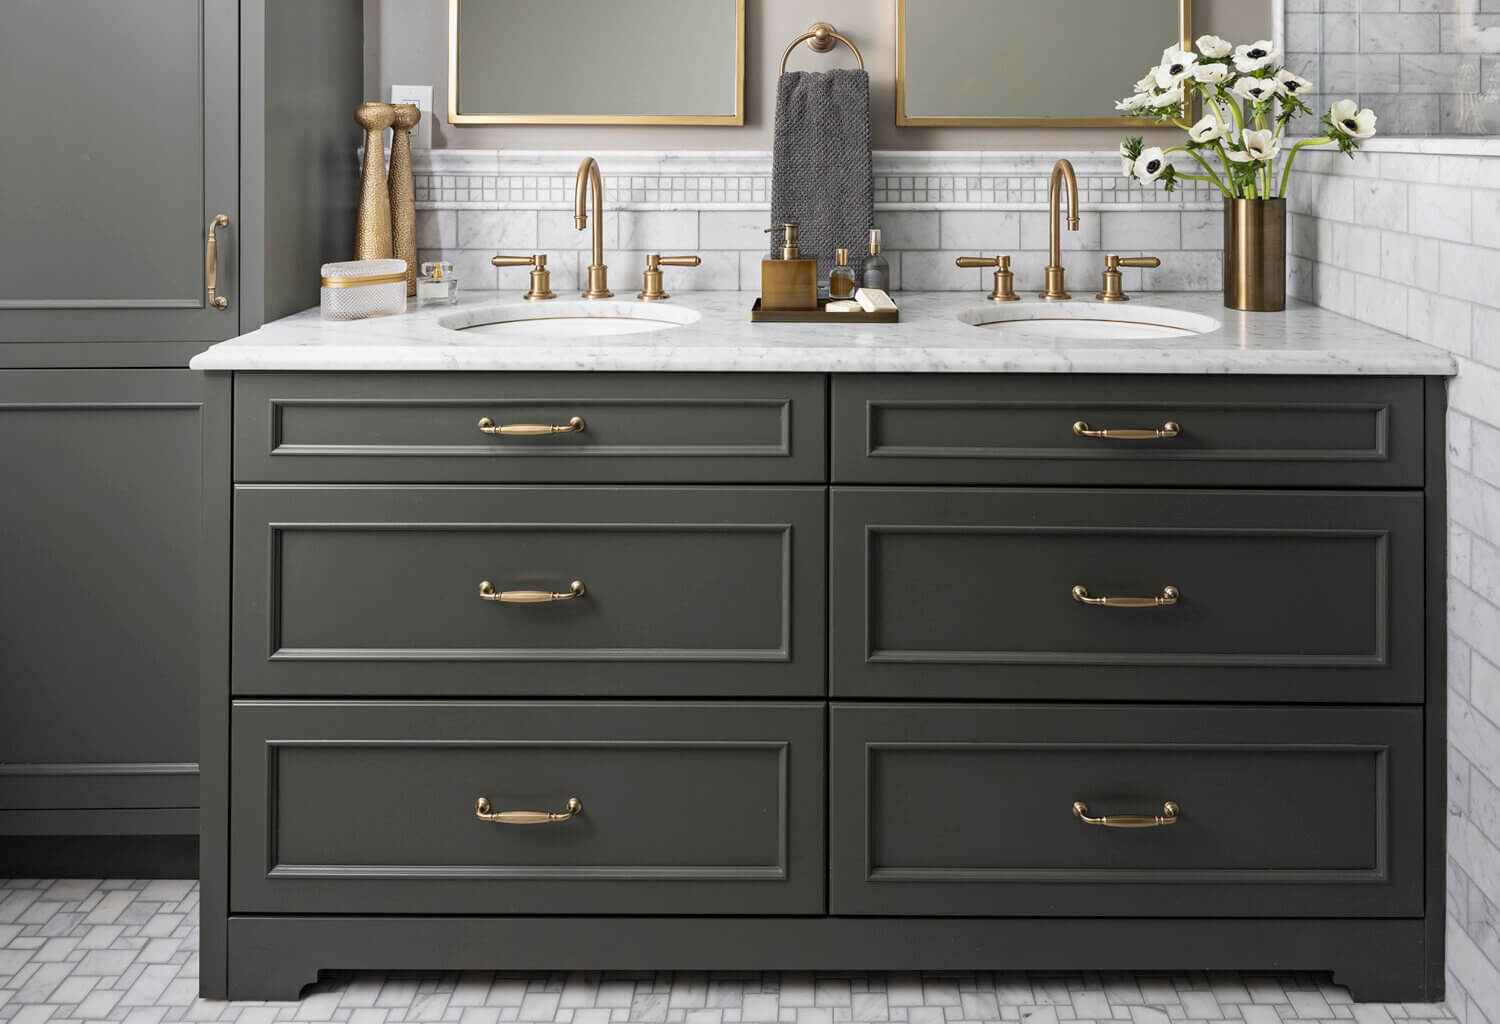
821 173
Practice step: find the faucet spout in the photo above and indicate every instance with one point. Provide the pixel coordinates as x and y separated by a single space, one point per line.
1062 172
591 186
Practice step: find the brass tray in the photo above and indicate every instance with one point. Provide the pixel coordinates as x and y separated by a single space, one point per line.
820 316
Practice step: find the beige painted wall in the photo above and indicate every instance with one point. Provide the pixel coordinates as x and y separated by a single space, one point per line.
406 43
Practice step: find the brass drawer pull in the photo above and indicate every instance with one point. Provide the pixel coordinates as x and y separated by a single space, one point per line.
483 813
1168 816
487 592
573 426
1167 429
211 262
1169 595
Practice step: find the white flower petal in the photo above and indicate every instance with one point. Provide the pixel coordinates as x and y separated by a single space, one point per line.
1213 46
1150 164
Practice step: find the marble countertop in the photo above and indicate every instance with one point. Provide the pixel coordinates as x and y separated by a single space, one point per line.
935 335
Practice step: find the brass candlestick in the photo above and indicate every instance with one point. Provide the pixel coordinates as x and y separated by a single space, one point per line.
403 199
372 230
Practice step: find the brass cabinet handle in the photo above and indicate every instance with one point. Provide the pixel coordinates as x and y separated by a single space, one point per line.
573 426
1168 816
211 262
1167 429
483 813
1168 595
487 592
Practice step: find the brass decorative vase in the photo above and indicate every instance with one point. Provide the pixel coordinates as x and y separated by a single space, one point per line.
1255 254
403 198
372 228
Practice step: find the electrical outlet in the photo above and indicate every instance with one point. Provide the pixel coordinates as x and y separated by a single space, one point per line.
421 95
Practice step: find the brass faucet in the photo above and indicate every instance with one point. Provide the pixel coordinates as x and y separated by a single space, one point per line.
1056 287
589 176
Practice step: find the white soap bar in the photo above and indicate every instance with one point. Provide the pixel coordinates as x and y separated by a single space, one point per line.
873 300
843 306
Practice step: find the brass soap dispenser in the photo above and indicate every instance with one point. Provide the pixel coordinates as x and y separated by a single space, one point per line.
790 282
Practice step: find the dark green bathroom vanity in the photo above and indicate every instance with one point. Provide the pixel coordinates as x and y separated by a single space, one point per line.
863 668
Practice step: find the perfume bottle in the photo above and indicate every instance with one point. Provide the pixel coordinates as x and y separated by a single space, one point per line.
876 272
437 286
841 283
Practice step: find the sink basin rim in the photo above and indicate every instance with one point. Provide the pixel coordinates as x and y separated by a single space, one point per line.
660 316
1181 322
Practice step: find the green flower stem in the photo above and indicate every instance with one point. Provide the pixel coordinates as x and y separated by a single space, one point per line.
1198 177
1286 171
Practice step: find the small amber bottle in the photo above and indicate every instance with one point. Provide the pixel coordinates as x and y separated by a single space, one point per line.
841 282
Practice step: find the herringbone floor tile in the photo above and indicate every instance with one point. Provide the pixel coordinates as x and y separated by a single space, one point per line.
75 950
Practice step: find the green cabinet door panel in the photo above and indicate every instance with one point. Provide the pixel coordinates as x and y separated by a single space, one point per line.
1279 596
969 810
685 808
365 591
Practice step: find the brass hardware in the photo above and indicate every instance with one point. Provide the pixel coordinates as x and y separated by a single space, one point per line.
1005 281
1113 289
790 250
651 289
791 282
402 192
590 178
1170 812
1255 254
1169 595
211 262
573 426
1167 429
487 592
483 813
903 119
737 118
1062 171
361 282
541 277
373 239
821 37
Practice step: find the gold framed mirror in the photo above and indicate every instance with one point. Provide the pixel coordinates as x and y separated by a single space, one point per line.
1028 63
596 62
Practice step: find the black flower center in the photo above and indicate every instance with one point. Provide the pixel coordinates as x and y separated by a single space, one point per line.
1175 69
1292 86
1152 166
1256 54
1351 124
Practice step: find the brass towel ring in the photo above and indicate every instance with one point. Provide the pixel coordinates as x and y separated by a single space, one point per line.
821 38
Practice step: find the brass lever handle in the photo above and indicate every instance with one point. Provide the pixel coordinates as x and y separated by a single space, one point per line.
651 289
1167 429
487 592
1113 289
483 813
1170 812
211 262
1005 280
573 426
541 277
1168 595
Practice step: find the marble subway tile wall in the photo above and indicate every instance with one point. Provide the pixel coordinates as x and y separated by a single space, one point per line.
1427 67
1410 241
931 208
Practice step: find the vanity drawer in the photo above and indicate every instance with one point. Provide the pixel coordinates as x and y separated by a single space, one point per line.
376 591
1279 596
424 427
352 807
968 810
1233 431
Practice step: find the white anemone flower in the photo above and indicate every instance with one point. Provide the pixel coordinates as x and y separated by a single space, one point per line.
1206 130
1213 46
1172 98
1136 102
1351 121
1292 83
1254 56
1212 74
1257 90
1150 164
1260 147
1127 162
1148 83
1175 66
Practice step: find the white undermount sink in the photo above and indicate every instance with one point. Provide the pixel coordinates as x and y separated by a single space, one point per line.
553 318
1085 320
